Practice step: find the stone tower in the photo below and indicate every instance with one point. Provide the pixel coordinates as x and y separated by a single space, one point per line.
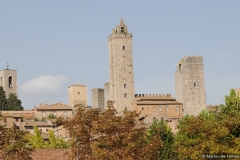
189 85
77 94
98 98
8 80
121 67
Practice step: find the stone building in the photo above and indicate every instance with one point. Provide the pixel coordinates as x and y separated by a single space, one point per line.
98 98
77 94
8 80
121 67
154 107
57 110
189 84
106 94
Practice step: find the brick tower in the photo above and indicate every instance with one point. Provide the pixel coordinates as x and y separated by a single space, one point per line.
189 85
121 67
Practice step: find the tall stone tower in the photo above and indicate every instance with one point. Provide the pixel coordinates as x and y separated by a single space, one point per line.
8 80
189 84
77 94
98 98
121 67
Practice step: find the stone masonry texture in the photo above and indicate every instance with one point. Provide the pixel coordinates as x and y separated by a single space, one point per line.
8 80
121 68
189 84
98 98
77 94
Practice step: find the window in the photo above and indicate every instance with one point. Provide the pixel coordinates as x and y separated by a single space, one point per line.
194 84
116 31
154 119
177 108
78 93
125 85
122 29
180 67
154 108
123 47
16 119
160 108
125 95
10 81
65 114
142 109
43 114
5 120
166 108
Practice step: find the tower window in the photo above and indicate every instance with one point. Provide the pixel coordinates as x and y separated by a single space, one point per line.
116 31
194 84
10 82
122 29
78 93
125 85
180 67
123 47
125 95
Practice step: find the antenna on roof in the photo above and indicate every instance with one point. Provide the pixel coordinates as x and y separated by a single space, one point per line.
7 65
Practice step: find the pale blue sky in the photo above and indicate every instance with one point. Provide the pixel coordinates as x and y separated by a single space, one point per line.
54 44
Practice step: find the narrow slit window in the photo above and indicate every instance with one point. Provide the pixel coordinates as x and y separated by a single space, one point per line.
125 95
194 84
123 47
125 85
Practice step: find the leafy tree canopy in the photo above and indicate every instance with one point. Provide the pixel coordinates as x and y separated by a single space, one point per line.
14 104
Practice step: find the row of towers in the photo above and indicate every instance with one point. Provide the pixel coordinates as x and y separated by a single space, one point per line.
189 77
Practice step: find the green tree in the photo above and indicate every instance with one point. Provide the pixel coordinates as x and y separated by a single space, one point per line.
3 100
211 132
37 139
163 136
55 142
14 144
13 103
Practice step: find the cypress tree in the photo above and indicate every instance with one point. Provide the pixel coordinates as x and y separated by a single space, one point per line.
14 104
3 100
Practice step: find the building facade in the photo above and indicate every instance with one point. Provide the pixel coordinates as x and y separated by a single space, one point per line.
189 85
98 98
121 68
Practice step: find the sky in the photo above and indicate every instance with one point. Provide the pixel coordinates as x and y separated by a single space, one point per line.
54 44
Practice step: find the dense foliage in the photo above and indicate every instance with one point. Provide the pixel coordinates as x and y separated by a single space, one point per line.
39 143
14 144
12 103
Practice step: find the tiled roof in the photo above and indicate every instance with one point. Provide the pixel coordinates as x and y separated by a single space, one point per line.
57 106
38 124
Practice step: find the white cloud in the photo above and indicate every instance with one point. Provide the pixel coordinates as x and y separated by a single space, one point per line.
43 85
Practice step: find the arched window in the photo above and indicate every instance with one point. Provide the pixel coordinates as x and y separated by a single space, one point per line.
122 29
116 31
180 67
43 114
10 81
125 85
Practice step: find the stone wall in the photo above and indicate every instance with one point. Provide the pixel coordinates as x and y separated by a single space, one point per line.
77 94
106 94
98 98
4 81
189 84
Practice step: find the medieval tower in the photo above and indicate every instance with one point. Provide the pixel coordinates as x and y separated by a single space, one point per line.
189 85
121 68
77 94
8 80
